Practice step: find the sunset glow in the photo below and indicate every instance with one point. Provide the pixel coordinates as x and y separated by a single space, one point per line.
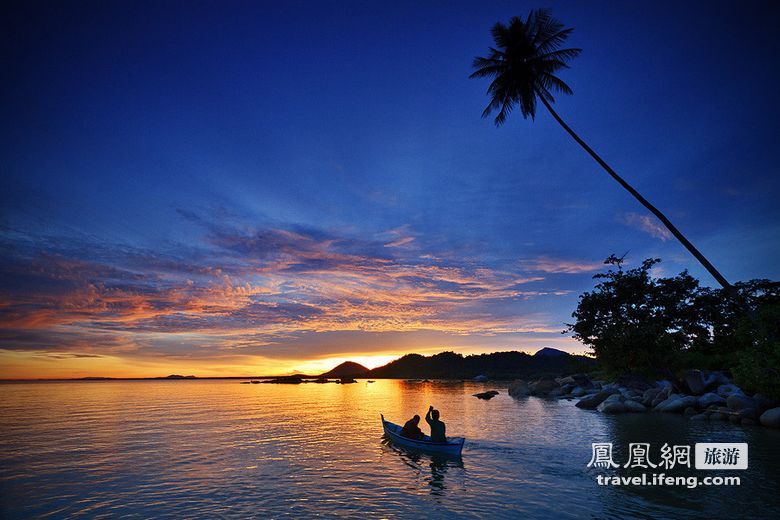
177 199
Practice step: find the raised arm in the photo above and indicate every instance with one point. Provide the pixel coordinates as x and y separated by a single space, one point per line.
428 415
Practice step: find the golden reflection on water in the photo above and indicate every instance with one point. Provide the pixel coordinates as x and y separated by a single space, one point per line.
215 448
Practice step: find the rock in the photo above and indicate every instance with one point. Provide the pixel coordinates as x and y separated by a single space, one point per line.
519 388
346 380
690 411
556 392
695 381
714 379
737 402
578 391
285 380
246 382
677 404
734 419
490 394
543 386
649 395
748 422
612 407
480 378
771 418
576 380
632 394
321 380
710 399
565 389
634 406
664 383
718 416
700 417
615 398
663 402
591 402
729 389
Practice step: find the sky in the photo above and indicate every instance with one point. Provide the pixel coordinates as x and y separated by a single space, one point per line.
237 188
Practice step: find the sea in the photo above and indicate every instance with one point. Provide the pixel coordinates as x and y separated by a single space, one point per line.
221 449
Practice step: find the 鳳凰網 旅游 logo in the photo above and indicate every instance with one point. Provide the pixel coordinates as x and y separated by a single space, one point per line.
707 455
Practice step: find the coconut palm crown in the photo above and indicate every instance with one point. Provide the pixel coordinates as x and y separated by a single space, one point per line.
523 64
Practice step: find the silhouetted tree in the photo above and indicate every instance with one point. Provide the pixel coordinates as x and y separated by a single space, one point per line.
523 66
635 322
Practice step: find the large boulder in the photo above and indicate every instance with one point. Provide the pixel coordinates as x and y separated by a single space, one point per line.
576 380
677 403
649 395
591 402
710 399
729 389
519 388
714 379
695 381
634 406
613 407
771 418
612 404
737 402
578 391
557 392
543 387
661 401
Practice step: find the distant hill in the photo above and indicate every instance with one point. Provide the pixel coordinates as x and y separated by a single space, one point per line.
498 365
548 351
347 369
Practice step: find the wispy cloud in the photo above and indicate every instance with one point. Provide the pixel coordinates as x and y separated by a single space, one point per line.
648 224
557 265
249 287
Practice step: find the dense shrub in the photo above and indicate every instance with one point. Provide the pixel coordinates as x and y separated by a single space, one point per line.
637 323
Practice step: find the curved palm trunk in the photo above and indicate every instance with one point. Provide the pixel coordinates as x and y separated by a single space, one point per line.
655 211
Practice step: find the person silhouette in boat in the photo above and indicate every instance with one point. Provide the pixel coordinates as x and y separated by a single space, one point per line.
437 426
411 429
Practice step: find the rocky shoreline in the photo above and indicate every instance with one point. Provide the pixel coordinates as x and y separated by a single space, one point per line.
700 395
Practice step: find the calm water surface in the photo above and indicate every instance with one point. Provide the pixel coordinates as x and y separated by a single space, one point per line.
221 449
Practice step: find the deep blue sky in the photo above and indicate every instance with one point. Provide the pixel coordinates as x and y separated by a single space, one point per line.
159 148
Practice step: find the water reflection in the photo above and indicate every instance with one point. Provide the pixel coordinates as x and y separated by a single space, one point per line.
216 449
417 460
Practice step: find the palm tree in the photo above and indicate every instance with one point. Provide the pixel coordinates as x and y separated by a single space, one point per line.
523 64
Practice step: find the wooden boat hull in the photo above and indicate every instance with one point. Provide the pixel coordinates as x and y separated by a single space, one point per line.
453 446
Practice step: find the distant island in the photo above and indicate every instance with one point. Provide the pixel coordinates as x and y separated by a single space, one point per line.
497 365
445 365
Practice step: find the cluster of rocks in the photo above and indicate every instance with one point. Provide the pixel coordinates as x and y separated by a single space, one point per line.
296 380
701 395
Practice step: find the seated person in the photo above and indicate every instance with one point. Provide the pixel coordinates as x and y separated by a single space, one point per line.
437 426
411 429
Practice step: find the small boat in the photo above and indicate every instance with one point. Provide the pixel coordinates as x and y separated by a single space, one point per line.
453 446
